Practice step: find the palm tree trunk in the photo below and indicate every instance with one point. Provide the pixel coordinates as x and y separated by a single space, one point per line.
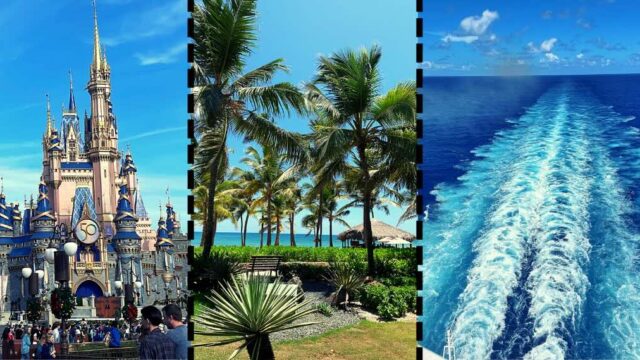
241 223
269 220
264 351
366 223
262 229
208 231
292 236
330 232
246 222
320 229
277 243
367 236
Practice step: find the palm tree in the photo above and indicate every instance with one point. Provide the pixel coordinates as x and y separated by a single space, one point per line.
363 132
313 200
270 177
293 198
246 194
333 213
230 100
279 203
225 203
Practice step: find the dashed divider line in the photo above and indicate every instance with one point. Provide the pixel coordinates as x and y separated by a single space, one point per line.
419 174
190 173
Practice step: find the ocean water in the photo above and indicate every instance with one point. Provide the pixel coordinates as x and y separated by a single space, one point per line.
532 241
253 239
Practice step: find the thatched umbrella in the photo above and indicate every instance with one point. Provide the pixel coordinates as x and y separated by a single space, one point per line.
379 230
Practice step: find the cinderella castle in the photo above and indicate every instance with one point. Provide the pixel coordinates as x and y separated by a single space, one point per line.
89 196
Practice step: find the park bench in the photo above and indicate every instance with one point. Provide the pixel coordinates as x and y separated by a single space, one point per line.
265 265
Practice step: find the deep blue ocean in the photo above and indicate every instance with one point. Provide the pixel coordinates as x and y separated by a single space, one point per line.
253 239
532 243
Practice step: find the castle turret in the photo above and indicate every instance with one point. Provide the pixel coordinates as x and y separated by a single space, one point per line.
17 220
71 139
126 240
129 171
6 214
43 223
102 135
171 216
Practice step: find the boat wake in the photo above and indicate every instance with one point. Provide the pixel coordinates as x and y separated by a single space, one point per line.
518 254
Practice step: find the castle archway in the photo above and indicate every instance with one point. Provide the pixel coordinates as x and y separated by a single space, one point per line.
87 288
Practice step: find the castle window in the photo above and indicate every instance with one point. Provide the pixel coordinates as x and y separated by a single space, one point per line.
105 172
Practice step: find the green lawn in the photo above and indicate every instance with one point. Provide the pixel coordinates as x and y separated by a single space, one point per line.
363 341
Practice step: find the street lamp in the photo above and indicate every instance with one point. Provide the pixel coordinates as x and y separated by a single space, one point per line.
61 260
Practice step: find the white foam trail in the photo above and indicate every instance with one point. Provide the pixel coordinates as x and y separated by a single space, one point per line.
616 284
557 284
501 249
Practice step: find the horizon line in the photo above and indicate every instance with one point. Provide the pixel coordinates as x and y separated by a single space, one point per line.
532 75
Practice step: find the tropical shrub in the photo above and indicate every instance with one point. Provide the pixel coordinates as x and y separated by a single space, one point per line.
373 295
406 264
388 302
248 311
399 281
209 274
392 266
324 309
347 281
408 294
305 270
392 308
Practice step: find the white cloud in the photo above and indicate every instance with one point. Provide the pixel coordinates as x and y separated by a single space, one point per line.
550 57
580 56
548 44
19 182
545 46
155 21
153 133
166 57
477 25
468 39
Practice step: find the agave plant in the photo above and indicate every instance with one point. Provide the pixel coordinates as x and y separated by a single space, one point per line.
347 281
249 311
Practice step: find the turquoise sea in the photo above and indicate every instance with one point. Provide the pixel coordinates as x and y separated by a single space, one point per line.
253 239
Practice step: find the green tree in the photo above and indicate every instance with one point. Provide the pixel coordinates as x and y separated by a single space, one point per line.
363 132
231 100
270 177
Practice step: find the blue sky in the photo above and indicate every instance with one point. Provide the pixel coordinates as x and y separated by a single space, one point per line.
146 48
299 32
530 37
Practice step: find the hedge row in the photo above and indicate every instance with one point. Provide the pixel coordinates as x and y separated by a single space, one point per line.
389 261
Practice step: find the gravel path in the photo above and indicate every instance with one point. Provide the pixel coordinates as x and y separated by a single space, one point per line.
317 293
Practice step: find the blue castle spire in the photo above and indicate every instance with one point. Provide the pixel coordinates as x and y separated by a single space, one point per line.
5 215
55 142
125 218
72 98
171 217
43 210
162 237
43 220
128 165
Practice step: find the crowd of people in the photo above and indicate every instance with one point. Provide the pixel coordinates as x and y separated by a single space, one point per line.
159 335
